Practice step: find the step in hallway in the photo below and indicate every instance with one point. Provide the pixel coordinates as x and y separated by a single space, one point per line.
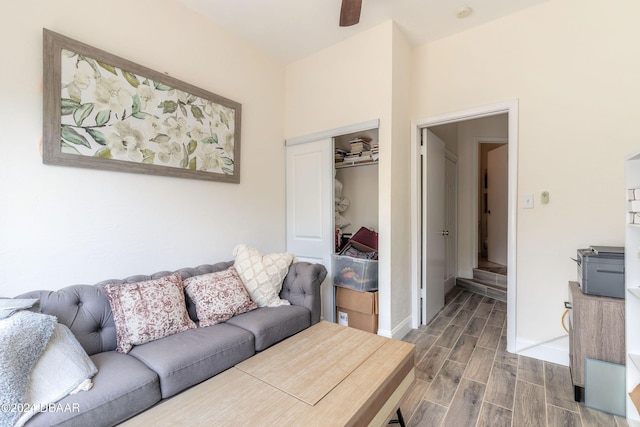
490 282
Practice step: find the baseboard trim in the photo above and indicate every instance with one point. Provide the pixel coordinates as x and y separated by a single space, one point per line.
399 331
555 350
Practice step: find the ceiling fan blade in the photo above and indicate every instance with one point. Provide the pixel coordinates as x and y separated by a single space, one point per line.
350 12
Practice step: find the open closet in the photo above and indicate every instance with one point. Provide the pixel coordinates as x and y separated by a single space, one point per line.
331 193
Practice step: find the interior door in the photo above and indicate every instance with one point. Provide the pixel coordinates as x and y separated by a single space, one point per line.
497 200
433 226
309 208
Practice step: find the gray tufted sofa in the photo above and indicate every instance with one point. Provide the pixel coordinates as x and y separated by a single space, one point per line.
127 384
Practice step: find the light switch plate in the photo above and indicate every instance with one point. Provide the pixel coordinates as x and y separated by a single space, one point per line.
527 201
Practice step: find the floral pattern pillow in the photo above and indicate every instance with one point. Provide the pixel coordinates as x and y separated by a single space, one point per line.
147 311
218 296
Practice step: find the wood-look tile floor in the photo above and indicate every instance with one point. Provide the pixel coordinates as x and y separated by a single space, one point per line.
465 376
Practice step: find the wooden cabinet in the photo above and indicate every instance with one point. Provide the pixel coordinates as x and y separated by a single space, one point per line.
596 331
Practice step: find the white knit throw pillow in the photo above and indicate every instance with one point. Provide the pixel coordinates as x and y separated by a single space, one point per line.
262 275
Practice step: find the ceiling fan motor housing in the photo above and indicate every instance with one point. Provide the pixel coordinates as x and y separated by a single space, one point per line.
350 12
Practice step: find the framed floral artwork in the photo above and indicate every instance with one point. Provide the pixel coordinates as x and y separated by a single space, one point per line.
105 112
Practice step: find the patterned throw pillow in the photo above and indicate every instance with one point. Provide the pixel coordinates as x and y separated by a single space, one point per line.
147 311
262 275
218 296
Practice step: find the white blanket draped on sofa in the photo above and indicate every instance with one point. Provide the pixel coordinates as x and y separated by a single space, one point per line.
41 362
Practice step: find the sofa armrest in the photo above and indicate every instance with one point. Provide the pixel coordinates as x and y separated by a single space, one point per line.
301 287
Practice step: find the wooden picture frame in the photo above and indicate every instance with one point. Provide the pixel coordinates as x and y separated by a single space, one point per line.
105 112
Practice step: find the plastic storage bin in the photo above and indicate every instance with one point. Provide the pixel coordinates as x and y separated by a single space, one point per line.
355 273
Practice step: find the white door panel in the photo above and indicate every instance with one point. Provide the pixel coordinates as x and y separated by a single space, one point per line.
310 234
497 204
433 226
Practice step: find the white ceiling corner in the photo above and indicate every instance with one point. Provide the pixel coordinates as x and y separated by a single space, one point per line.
289 30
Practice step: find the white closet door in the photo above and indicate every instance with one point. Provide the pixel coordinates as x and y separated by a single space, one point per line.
310 209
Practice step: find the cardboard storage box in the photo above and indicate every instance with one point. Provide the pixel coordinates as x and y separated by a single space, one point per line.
358 310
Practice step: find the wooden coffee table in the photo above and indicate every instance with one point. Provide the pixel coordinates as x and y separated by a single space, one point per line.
326 375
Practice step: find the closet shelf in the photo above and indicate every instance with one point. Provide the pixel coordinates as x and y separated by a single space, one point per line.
347 164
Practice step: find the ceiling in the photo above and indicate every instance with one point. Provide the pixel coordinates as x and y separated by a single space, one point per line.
289 30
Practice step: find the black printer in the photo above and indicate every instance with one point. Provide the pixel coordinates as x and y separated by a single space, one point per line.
601 271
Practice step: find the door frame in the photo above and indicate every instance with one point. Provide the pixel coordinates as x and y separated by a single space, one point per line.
511 108
453 159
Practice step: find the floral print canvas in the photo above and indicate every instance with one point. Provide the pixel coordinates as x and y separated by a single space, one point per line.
113 110
115 114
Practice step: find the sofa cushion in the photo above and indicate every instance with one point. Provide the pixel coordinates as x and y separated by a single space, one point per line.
270 325
262 275
218 296
122 388
149 310
190 357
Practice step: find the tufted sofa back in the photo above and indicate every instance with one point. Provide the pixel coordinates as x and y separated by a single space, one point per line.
87 312
301 287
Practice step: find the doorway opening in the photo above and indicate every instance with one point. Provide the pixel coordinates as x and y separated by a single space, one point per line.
467 129
492 207
484 141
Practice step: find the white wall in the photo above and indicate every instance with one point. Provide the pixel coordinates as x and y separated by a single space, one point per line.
61 225
362 78
345 84
360 187
576 78
399 177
